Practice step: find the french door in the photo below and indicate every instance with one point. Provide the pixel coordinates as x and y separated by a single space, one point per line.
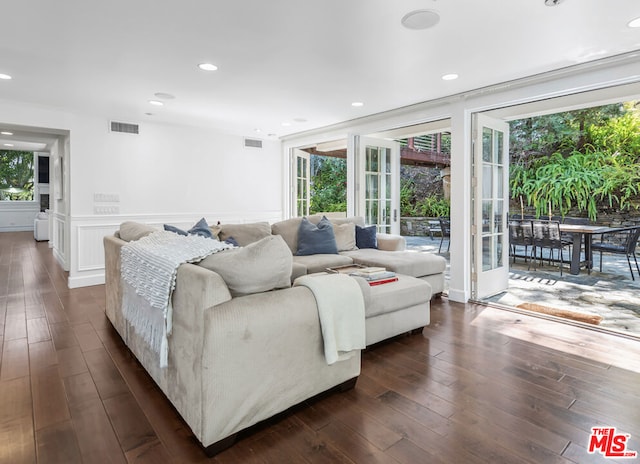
378 194
301 194
490 274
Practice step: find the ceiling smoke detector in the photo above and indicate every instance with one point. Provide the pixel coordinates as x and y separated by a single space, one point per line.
420 19
552 2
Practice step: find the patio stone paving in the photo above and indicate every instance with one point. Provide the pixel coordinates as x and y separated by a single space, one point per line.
611 294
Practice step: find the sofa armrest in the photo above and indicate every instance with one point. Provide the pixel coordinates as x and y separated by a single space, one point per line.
391 242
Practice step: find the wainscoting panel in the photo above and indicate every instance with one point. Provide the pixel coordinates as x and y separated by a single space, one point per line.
87 233
90 247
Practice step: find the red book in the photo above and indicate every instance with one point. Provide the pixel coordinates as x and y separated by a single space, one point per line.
382 281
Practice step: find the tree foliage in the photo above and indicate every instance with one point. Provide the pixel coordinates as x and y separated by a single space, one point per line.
328 184
16 175
581 159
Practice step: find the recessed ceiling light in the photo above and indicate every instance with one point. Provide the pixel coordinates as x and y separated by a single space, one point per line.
449 77
420 19
634 23
208 67
6 133
148 114
6 77
551 2
357 104
257 130
300 120
8 144
156 103
164 96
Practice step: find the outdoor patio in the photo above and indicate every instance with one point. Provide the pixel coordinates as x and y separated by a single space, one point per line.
611 293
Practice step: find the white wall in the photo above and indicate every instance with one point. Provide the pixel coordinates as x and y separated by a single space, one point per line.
166 174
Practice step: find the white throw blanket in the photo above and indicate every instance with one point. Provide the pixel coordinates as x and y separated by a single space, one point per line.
341 311
149 267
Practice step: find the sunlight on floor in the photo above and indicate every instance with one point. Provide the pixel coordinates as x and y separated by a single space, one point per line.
592 345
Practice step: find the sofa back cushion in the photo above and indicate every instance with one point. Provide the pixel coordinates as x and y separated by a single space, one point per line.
244 234
130 231
259 267
345 236
316 239
288 230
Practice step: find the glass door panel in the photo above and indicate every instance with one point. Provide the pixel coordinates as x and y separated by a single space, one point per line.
301 185
379 199
491 270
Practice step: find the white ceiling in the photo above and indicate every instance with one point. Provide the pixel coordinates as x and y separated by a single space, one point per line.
288 61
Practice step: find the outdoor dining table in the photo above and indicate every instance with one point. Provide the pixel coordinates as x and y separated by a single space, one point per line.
578 231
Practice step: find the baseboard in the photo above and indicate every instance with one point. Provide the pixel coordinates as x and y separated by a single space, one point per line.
459 296
16 229
85 281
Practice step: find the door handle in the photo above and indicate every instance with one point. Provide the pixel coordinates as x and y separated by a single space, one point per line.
395 215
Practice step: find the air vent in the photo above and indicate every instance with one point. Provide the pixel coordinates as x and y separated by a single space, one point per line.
124 127
252 143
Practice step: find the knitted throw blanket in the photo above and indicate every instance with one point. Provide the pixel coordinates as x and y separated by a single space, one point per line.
149 267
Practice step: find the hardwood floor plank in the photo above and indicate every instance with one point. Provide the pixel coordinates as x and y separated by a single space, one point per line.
15 359
96 438
353 445
87 337
307 443
16 422
152 452
35 311
49 399
38 330
129 422
42 355
71 361
15 326
62 334
57 444
105 374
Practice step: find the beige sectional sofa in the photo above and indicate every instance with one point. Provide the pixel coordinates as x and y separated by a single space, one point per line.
245 343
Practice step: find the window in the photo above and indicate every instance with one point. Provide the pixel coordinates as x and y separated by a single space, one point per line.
16 175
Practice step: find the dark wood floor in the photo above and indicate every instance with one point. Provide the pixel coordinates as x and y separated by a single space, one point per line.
480 385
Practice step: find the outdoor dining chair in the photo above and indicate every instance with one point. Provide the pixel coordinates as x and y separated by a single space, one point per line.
620 243
445 232
546 234
520 235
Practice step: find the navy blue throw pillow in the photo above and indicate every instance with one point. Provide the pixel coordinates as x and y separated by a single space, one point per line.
232 241
366 237
201 228
313 240
175 230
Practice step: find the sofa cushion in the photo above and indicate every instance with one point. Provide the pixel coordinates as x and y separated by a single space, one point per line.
130 230
315 239
320 262
345 236
288 230
259 267
410 263
366 237
175 230
201 228
405 292
244 234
